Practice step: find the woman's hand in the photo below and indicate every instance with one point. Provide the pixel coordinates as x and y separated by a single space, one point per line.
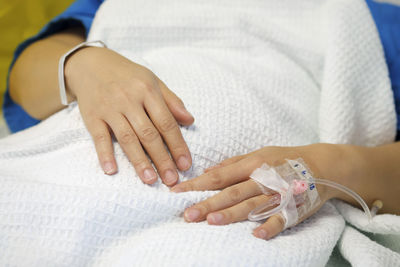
119 96
240 194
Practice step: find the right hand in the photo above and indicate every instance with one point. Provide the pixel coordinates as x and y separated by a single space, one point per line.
118 95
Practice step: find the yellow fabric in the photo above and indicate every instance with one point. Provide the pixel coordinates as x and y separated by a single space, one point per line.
19 20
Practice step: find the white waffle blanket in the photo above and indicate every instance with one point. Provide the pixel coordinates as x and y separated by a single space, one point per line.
254 73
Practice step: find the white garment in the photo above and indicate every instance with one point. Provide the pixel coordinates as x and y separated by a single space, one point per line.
253 73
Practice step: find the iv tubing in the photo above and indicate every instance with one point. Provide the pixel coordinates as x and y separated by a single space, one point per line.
348 191
254 215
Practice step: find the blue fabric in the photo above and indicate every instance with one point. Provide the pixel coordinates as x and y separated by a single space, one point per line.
387 20
386 16
81 12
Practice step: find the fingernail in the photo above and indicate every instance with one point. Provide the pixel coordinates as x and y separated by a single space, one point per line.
183 163
108 168
215 218
170 177
261 234
177 189
192 214
149 175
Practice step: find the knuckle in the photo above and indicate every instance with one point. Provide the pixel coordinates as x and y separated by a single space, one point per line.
234 194
258 160
138 163
127 137
145 86
281 220
187 186
100 137
251 204
216 179
148 134
167 124
193 186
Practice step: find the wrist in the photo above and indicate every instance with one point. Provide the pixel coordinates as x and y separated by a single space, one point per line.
344 164
72 68
75 65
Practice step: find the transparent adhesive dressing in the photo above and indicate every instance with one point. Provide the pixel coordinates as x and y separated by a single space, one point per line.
293 192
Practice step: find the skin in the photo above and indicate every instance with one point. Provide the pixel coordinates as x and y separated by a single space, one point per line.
115 96
371 172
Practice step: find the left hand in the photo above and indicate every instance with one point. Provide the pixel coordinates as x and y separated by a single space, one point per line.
240 194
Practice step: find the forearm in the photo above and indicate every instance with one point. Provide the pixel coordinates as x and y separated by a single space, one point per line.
384 181
372 172
33 80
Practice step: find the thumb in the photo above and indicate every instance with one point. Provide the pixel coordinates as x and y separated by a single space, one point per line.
176 106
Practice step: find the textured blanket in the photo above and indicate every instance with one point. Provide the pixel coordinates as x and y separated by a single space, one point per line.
253 73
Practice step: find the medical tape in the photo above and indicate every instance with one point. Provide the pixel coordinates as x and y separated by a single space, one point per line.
294 183
267 178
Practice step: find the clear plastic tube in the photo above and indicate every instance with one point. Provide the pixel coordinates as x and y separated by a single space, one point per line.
257 214
349 192
283 201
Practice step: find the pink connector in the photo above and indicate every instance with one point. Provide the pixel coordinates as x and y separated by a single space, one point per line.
299 186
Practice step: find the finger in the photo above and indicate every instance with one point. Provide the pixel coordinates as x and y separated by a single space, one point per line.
273 226
238 212
130 144
226 198
212 168
176 105
225 162
100 133
170 131
232 160
151 140
220 178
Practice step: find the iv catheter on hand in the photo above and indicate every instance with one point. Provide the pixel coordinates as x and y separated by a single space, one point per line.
297 190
